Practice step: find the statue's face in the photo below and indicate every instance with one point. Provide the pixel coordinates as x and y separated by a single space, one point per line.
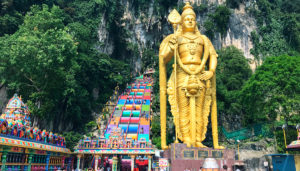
189 23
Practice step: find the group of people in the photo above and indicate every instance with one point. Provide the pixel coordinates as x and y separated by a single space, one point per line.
201 169
131 101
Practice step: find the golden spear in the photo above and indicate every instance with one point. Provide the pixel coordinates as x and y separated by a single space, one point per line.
174 18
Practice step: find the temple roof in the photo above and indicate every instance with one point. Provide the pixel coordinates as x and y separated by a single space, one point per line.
17 111
294 145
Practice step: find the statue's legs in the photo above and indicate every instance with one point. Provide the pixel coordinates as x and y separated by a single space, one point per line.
205 113
201 121
184 117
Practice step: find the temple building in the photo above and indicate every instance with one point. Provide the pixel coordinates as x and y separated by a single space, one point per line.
23 147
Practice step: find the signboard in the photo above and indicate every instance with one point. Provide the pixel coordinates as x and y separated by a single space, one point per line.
202 154
155 164
17 149
40 152
217 154
163 162
190 154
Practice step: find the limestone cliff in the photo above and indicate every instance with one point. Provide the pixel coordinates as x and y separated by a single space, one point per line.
3 98
147 29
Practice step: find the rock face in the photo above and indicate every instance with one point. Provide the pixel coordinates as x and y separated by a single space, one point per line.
240 27
147 29
254 155
3 98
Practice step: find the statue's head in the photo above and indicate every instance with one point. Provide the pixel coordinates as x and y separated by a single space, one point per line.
188 18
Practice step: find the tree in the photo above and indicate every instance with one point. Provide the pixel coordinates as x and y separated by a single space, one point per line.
9 22
274 90
41 62
291 30
38 61
232 72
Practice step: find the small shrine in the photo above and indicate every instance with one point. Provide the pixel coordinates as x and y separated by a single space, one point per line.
295 145
16 111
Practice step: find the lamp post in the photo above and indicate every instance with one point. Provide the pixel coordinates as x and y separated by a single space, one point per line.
283 128
238 143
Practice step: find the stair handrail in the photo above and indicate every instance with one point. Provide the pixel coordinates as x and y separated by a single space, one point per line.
128 125
108 123
128 121
120 116
138 131
150 112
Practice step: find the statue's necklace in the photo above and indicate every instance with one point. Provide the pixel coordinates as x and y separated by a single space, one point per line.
191 46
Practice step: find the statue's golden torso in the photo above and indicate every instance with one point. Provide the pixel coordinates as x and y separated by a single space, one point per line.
190 49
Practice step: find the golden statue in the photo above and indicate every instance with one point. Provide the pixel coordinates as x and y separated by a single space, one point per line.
192 84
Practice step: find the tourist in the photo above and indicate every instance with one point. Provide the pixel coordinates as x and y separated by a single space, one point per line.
136 168
107 166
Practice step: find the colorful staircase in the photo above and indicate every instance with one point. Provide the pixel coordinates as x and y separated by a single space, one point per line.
132 111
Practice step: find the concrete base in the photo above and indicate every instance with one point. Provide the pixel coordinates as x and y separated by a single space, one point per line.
182 157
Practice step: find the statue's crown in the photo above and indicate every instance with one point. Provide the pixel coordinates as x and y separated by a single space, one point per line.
187 10
187 5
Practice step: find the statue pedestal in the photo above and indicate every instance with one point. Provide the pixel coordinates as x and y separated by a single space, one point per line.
182 157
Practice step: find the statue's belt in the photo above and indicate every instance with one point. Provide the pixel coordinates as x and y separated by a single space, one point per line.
183 80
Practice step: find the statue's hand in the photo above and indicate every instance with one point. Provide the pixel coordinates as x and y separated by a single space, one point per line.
206 75
173 42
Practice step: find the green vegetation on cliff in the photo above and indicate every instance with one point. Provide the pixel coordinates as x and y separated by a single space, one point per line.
232 72
274 90
278 25
217 21
272 96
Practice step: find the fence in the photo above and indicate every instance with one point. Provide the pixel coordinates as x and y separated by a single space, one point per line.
248 132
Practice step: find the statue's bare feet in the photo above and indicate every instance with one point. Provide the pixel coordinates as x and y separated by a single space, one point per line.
199 144
165 147
188 144
219 147
187 141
